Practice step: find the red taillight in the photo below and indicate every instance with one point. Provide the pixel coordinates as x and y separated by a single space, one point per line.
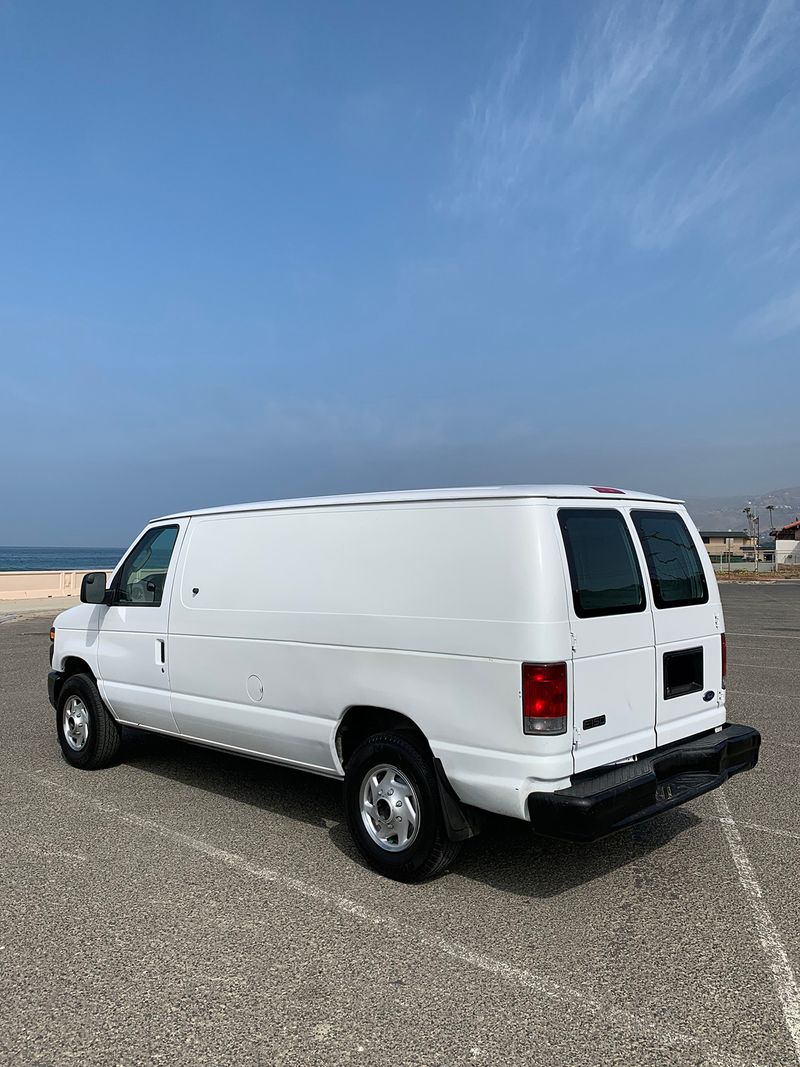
724 661
544 698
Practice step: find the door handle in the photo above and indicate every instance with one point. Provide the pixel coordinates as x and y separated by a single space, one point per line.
161 651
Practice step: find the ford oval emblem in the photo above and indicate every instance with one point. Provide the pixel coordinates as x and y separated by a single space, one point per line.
709 695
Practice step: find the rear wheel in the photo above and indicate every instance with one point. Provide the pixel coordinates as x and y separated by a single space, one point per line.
88 736
393 809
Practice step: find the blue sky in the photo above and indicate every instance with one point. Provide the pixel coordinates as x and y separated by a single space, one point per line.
252 250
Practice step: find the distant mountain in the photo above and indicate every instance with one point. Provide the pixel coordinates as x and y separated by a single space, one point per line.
726 512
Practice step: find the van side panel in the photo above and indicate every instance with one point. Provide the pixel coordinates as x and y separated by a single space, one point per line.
307 688
428 610
428 578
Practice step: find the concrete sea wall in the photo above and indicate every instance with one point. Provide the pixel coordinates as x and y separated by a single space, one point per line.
37 585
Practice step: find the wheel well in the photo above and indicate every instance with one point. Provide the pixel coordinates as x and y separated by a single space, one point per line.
76 665
361 721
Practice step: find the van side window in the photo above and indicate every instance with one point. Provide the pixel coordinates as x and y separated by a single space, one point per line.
603 568
676 572
141 579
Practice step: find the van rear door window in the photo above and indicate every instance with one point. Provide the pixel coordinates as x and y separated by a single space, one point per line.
603 568
676 572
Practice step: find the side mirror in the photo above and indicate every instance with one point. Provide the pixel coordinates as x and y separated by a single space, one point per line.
93 588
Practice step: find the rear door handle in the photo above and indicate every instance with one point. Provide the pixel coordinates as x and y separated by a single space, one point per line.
161 651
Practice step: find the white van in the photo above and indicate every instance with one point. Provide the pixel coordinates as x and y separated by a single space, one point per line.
551 653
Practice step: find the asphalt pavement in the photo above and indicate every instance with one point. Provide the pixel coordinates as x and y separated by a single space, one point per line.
189 907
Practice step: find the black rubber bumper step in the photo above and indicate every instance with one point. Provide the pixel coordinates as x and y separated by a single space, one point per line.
607 799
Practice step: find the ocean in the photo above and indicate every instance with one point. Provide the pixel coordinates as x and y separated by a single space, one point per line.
16 558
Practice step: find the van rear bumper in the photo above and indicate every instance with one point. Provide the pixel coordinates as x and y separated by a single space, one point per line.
610 798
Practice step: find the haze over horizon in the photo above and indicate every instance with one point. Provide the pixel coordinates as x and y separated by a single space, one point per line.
256 252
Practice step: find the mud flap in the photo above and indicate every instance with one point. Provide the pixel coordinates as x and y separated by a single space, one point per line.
460 822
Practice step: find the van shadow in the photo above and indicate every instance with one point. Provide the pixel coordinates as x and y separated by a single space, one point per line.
507 855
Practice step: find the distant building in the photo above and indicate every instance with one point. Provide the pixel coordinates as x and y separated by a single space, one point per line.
787 543
723 545
789 532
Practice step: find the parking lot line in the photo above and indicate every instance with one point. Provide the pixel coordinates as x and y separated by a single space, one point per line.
761 828
769 637
770 830
638 1027
761 666
785 982
769 696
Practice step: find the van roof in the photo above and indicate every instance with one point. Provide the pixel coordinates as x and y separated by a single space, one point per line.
401 496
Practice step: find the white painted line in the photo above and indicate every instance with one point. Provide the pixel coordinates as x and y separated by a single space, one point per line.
770 830
785 982
761 646
761 666
637 1028
39 848
770 696
762 829
771 637
773 748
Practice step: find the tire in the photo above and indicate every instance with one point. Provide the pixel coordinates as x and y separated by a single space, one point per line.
425 851
89 737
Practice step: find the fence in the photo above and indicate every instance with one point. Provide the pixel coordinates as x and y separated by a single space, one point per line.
743 565
765 567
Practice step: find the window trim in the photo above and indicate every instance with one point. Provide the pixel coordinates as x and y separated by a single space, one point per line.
674 692
117 580
601 613
655 583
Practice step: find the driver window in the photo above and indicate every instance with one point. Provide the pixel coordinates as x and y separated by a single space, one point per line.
141 580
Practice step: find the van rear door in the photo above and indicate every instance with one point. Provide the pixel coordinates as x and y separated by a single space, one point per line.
688 624
614 658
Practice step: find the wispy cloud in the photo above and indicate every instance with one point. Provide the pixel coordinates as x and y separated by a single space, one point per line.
779 318
660 119
770 39
497 138
616 63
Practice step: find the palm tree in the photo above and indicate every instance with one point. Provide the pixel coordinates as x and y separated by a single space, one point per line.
748 511
772 533
751 529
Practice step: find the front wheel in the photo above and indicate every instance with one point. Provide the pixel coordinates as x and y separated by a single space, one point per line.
88 736
393 809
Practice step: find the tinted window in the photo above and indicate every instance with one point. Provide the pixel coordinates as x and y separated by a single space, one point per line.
605 574
141 579
676 572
